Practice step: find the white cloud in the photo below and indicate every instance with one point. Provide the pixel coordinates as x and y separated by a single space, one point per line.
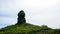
5 21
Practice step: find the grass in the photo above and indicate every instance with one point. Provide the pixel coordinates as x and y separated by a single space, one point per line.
22 28
26 28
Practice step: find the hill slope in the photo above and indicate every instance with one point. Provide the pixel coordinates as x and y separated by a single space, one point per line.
26 28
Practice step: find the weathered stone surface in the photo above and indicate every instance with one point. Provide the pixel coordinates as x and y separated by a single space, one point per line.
21 17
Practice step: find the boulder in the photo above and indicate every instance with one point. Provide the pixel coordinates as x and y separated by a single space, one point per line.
21 17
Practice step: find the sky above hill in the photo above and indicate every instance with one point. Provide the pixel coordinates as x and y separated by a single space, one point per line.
38 12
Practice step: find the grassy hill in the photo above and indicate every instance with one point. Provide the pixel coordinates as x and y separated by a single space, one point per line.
26 28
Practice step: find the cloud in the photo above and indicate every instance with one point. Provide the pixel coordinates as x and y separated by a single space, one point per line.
5 21
8 8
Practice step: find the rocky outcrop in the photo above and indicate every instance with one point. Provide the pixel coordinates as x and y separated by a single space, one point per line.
21 17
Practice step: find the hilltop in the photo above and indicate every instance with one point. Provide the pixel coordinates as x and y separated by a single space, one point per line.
23 28
26 28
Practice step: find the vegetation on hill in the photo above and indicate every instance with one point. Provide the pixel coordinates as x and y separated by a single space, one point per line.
22 28
26 28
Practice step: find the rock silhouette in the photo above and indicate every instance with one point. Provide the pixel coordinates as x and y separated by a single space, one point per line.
21 17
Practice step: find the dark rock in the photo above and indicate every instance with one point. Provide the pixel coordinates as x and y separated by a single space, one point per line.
21 17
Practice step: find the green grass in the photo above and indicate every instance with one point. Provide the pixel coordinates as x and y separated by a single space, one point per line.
22 28
26 28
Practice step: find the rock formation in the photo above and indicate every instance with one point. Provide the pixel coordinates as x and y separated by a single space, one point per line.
21 17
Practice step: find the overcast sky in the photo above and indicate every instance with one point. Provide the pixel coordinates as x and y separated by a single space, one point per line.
38 12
